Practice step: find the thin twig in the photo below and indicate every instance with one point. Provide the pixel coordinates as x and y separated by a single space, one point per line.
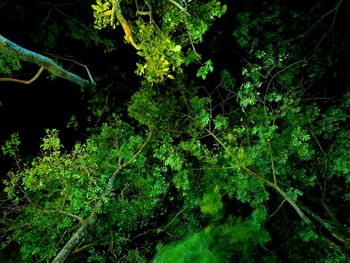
75 62
183 209
272 162
275 212
318 143
81 220
182 9
27 82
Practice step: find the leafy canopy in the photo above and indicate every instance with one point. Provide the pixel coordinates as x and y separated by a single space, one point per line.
241 165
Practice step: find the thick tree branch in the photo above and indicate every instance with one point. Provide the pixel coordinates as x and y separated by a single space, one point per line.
116 11
12 49
74 241
332 229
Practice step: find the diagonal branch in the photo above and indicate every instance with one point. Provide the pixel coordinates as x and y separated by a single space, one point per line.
74 241
116 11
37 75
297 207
266 181
182 9
12 49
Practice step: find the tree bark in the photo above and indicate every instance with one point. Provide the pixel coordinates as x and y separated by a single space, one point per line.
74 241
12 49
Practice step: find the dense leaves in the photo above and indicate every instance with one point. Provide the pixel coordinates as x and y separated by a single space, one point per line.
213 161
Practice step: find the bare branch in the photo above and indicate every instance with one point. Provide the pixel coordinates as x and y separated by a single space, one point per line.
25 81
182 9
11 48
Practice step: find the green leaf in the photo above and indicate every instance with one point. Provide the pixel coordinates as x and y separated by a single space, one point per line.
177 48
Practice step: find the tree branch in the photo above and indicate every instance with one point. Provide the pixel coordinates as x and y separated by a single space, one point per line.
11 48
266 181
25 81
74 241
116 11
64 213
333 231
182 9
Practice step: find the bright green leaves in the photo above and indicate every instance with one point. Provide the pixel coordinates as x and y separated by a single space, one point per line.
237 234
201 17
170 157
58 190
249 91
199 112
294 193
200 151
181 181
51 142
177 48
246 189
247 95
192 249
205 70
197 18
216 243
216 9
162 57
54 186
211 202
102 13
299 139
10 147
174 161
144 109
202 184
221 123
167 46
308 235
274 97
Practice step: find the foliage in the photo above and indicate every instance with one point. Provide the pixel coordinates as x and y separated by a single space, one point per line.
67 185
250 166
8 64
10 146
167 40
204 70
216 243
